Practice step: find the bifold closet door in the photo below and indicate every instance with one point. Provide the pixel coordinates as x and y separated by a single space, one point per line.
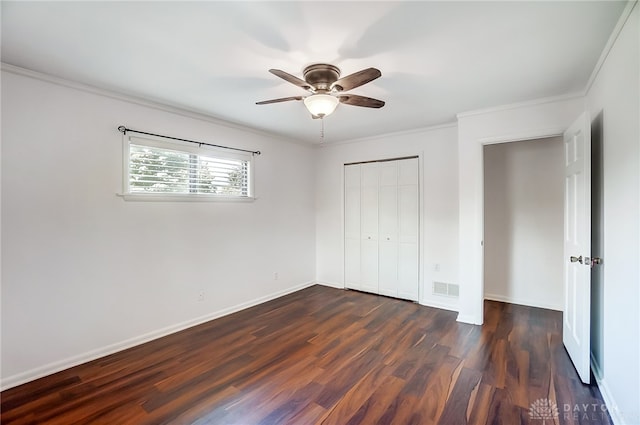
388 228
381 227
369 227
408 229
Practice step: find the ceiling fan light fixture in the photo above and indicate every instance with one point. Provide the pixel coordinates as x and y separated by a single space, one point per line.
328 89
321 105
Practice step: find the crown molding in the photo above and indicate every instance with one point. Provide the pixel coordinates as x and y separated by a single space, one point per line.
518 105
387 135
624 17
146 102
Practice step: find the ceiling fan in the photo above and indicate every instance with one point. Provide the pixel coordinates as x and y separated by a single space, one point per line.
323 81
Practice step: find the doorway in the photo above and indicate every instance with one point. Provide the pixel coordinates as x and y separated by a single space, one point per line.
523 222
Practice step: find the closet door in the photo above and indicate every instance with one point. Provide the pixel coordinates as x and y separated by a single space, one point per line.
352 227
381 221
408 229
388 229
369 227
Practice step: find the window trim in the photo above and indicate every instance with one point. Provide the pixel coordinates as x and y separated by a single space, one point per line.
155 142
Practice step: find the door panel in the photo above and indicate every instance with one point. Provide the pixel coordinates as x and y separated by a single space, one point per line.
408 271
577 246
370 174
352 278
388 278
408 223
352 175
388 213
369 206
352 212
369 228
388 173
388 229
408 213
408 170
369 266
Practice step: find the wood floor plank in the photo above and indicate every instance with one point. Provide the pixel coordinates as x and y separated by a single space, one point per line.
481 404
399 412
357 395
372 409
439 386
502 411
322 356
358 368
457 407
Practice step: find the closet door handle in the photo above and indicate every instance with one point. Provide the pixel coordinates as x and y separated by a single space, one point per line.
388 238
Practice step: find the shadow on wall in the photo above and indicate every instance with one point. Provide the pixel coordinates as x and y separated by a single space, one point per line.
597 241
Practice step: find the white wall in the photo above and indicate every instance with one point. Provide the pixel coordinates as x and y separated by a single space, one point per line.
523 222
439 224
85 272
615 94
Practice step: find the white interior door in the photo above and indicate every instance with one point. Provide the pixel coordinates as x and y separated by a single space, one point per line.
577 245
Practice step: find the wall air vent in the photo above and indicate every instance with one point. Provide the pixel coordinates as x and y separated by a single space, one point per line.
446 289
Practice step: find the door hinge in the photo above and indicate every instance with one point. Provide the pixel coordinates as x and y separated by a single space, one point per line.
592 261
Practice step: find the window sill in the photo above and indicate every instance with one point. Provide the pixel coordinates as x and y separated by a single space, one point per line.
176 197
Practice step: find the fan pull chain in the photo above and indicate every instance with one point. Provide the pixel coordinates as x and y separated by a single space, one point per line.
322 130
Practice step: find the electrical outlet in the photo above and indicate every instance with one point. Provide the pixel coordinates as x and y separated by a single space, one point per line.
275 276
201 295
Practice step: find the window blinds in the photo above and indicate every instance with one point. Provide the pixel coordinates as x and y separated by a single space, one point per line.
161 170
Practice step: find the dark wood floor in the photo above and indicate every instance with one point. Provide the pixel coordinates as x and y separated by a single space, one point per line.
325 356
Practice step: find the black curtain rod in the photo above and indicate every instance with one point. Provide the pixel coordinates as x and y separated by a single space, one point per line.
122 129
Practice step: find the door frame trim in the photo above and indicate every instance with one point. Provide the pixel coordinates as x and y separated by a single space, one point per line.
383 160
493 140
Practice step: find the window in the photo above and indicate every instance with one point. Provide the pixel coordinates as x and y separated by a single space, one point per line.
161 170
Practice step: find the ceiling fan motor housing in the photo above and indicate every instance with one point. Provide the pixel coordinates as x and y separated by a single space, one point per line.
321 75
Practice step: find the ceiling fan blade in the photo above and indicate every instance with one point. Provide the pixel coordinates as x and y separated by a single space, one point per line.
282 99
356 80
355 100
292 79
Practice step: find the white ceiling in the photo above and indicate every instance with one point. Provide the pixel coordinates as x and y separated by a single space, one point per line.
437 58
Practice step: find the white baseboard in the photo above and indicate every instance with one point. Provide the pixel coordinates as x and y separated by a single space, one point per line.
440 305
528 303
48 369
331 284
468 318
612 406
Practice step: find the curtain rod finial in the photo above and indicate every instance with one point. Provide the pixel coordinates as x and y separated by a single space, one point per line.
122 129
